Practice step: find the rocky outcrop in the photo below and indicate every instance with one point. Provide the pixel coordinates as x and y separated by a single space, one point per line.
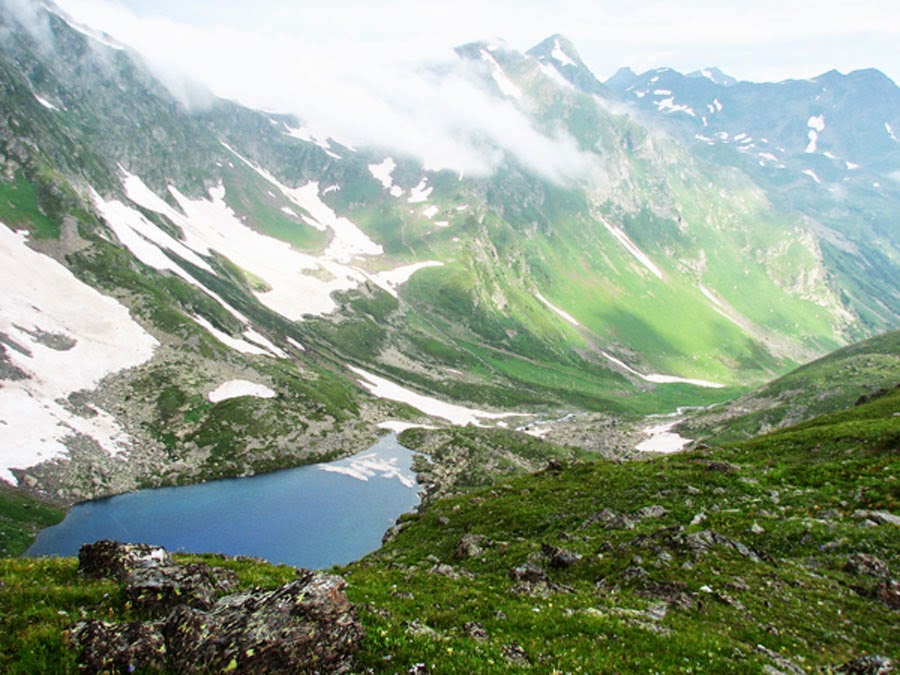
307 625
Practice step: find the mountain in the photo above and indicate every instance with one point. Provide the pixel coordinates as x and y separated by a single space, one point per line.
825 147
194 289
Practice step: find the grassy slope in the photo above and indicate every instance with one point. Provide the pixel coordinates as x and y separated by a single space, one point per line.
801 486
831 383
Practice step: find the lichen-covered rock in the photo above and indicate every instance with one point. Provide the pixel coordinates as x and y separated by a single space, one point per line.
471 546
306 626
863 564
888 592
871 664
106 559
610 520
527 572
118 648
159 589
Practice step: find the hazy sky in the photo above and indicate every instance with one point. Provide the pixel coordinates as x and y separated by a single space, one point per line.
352 67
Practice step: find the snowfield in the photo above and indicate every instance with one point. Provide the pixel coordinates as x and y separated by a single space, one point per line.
658 378
565 315
61 336
455 414
236 388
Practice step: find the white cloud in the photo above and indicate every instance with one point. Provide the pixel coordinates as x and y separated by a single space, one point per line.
364 72
365 91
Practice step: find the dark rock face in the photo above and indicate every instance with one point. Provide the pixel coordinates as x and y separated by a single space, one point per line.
118 648
305 626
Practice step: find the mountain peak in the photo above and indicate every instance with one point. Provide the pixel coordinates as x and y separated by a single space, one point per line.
714 75
559 49
558 52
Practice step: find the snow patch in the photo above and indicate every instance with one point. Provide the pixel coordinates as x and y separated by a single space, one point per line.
812 174
430 211
669 105
632 248
813 136
421 192
44 102
661 438
399 427
236 388
657 378
816 122
382 172
348 241
237 344
851 165
455 414
888 128
503 82
41 296
560 56
568 317
390 280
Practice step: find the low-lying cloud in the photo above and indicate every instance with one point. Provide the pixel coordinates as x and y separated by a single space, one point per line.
363 94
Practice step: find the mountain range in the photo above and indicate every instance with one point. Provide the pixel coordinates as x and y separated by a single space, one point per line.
196 289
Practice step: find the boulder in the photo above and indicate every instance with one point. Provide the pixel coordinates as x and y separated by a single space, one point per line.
527 572
871 664
158 590
888 592
471 546
559 558
106 559
866 565
118 648
609 519
305 626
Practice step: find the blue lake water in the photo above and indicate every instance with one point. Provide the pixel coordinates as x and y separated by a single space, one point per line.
312 516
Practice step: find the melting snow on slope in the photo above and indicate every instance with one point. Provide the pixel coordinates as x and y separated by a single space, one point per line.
503 82
631 247
382 172
661 438
236 388
661 379
816 122
421 192
430 211
237 344
348 241
568 317
44 102
888 128
812 174
399 427
455 414
310 136
67 337
558 54
389 280
669 105
370 465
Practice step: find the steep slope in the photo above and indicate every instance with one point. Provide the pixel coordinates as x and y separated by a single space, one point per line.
824 147
601 266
